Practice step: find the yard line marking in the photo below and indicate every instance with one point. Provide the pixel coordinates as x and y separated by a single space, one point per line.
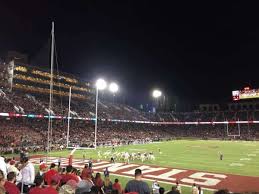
236 164
245 159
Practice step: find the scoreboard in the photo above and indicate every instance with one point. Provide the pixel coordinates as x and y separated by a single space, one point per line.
246 93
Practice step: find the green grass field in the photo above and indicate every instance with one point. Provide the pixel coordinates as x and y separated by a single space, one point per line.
194 154
190 154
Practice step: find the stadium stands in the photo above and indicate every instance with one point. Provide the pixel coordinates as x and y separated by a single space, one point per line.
15 130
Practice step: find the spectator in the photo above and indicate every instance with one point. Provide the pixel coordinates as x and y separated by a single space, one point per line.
161 190
7 162
117 186
69 175
28 174
107 185
54 184
42 170
12 168
83 187
68 188
2 190
173 191
90 163
2 182
98 181
222 191
137 185
39 182
178 187
86 173
10 185
194 189
200 191
50 173
3 166
76 173
106 172
155 187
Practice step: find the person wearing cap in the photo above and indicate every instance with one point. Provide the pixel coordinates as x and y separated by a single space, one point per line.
137 185
12 168
42 169
50 173
39 182
10 185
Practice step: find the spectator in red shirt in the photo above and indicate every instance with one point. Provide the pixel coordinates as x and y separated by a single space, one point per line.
86 173
10 185
98 181
43 169
54 184
51 172
69 175
39 182
117 186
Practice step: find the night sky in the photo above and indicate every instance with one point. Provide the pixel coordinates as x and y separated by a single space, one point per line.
198 52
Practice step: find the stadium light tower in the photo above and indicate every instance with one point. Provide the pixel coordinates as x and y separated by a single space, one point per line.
100 85
156 93
113 87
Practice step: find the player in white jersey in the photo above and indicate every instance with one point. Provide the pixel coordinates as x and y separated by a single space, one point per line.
126 157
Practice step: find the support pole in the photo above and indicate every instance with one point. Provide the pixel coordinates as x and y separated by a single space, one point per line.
68 117
96 119
50 90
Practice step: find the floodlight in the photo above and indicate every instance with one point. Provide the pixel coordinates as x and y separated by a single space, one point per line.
157 93
113 87
101 84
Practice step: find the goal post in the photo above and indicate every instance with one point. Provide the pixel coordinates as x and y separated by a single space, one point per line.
70 144
233 129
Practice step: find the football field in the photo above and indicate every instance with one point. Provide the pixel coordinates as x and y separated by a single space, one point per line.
240 157
186 161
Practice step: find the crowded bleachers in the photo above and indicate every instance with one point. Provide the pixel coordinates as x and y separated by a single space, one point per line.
19 132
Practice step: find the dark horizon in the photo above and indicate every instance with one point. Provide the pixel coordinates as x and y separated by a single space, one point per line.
198 52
